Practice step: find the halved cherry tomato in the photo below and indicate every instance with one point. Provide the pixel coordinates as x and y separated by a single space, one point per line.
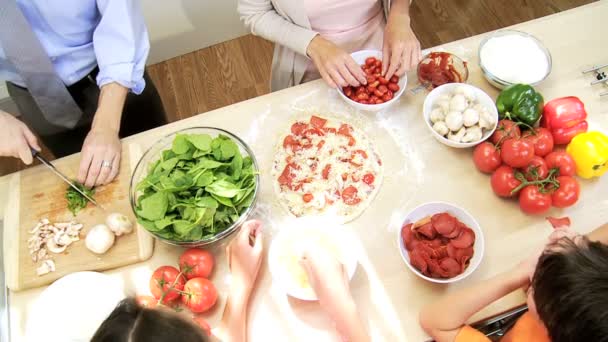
536 169
383 89
317 122
326 170
393 87
506 129
368 179
307 197
349 196
395 79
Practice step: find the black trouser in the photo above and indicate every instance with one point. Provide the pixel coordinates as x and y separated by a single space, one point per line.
140 113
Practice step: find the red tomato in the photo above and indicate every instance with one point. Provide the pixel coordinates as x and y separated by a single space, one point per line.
562 161
517 152
393 87
162 280
383 80
567 193
536 169
196 263
146 301
504 182
382 89
349 196
378 64
201 323
533 201
317 122
297 129
506 129
368 179
369 61
326 170
200 295
348 91
486 157
541 139
307 197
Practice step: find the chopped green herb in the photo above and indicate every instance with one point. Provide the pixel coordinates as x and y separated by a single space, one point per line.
197 189
76 201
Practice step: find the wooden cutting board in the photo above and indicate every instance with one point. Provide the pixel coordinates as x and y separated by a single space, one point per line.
37 193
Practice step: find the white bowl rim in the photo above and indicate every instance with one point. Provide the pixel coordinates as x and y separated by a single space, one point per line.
375 107
479 249
445 140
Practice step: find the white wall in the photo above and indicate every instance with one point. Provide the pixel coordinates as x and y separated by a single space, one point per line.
177 27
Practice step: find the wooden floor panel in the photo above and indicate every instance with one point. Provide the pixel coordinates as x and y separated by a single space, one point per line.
239 69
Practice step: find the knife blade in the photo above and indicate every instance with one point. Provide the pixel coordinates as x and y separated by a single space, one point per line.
52 167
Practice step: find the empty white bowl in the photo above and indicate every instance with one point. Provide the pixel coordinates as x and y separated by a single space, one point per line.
359 57
483 98
431 208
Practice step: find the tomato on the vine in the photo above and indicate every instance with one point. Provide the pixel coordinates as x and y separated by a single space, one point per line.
504 182
536 169
148 302
486 157
542 139
562 161
567 193
196 263
517 152
534 201
199 295
506 129
162 282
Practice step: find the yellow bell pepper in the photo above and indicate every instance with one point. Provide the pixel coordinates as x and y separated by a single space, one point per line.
590 152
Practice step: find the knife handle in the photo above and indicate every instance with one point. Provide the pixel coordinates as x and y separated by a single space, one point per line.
34 151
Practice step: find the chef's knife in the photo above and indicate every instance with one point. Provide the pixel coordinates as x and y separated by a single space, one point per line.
48 164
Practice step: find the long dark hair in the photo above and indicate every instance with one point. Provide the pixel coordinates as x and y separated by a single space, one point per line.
571 291
130 322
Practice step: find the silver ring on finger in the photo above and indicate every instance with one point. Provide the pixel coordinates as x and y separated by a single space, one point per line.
106 163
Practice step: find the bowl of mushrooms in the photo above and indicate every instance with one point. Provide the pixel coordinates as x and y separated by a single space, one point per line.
460 115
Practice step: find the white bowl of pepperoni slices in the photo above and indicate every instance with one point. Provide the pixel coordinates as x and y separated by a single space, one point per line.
379 93
441 242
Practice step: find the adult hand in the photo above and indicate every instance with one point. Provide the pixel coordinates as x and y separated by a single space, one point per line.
401 48
335 65
16 138
245 256
100 159
328 278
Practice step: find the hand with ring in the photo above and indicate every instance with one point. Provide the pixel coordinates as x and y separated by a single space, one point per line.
100 155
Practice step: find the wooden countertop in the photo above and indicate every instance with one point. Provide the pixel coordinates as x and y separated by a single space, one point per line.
418 169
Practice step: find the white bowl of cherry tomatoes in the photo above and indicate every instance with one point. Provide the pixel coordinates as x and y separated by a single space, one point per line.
379 93
441 242
525 166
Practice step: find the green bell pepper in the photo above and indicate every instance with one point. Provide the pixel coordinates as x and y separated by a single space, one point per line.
520 103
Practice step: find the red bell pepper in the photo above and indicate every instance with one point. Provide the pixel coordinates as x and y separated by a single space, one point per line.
565 117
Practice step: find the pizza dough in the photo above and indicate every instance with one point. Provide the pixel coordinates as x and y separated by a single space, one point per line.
327 168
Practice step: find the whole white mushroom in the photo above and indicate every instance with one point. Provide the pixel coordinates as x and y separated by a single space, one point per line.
472 134
457 137
470 117
454 121
441 128
99 239
119 224
443 104
486 119
458 103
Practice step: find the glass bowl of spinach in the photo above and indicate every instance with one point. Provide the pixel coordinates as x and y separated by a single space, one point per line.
195 186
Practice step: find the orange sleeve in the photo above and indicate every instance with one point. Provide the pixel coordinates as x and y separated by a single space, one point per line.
469 334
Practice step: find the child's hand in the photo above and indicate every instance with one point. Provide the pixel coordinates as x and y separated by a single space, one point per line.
245 256
328 278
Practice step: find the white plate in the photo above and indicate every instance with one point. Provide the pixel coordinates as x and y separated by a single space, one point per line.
463 216
292 241
73 307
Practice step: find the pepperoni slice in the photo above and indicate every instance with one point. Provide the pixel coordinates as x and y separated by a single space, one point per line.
291 142
418 262
427 230
456 232
298 128
444 223
464 263
329 130
286 177
451 266
407 235
345 130
465 240
317 122
559 222
369 179
436 270
349 196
